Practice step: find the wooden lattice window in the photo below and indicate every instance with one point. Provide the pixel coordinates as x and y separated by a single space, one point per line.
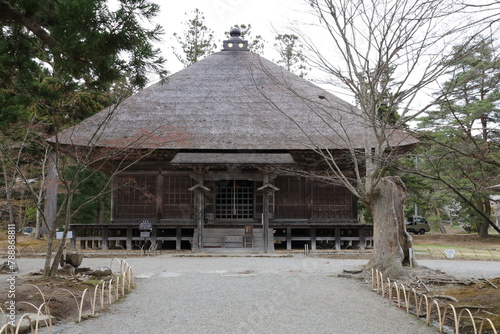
234 199
177 199
135 197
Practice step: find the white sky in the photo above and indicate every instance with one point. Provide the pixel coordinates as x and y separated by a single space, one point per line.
267 17
221 15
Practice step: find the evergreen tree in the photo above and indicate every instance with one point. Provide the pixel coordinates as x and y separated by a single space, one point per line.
463 141
60 62
197 41
81 40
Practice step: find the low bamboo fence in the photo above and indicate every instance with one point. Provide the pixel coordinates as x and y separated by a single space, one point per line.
423 305
98 298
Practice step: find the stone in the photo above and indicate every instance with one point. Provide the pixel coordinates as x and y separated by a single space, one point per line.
30 319
102 272
8 267
75 259
67 270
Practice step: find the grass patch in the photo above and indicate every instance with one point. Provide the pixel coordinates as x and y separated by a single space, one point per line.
461 253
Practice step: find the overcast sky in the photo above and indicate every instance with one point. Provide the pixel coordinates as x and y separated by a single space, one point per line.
221 15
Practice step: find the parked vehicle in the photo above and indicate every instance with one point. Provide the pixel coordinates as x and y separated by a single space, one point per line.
417 225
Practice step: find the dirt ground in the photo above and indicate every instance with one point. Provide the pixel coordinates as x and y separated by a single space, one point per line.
58 293
482 297
457 240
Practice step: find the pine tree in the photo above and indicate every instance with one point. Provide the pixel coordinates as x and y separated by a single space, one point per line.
463 139
197 41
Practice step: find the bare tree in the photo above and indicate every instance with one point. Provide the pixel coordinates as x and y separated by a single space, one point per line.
73 164
384 53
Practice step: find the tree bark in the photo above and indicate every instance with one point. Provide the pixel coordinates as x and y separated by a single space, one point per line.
442 228
392 244
8 190
482 226
52 182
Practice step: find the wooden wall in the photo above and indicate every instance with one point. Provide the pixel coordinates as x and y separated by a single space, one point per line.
311 199
137 196
167 196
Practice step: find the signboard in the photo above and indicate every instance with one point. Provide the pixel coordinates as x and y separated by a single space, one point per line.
145 225
59 235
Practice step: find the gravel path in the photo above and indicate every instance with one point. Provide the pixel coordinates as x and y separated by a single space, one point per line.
254 295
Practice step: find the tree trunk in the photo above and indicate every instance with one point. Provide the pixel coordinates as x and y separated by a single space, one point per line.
482 225
482 229
8 191
52 182
392 244
442 228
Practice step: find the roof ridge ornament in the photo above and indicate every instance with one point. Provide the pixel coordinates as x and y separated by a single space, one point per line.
235 42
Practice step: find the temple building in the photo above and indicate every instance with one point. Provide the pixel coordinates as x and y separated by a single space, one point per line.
227 160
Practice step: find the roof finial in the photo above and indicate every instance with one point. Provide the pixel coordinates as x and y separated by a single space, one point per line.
235 32
235 42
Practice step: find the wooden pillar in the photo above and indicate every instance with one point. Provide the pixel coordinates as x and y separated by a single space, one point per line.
199 202
72 242
100 214
199 218
337 238
129 237
265 221
288 238
153 236
267 190
362 239
178 238
105 235
113 199
160 185
313 238
309 197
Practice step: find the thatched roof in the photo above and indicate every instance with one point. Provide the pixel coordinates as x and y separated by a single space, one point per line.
231 100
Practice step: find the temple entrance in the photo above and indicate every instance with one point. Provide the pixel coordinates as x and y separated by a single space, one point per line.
234 199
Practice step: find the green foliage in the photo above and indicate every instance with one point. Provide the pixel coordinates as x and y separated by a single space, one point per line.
90 184
31 215
460 141
364 214
197 42
89 189
83 39
60 60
